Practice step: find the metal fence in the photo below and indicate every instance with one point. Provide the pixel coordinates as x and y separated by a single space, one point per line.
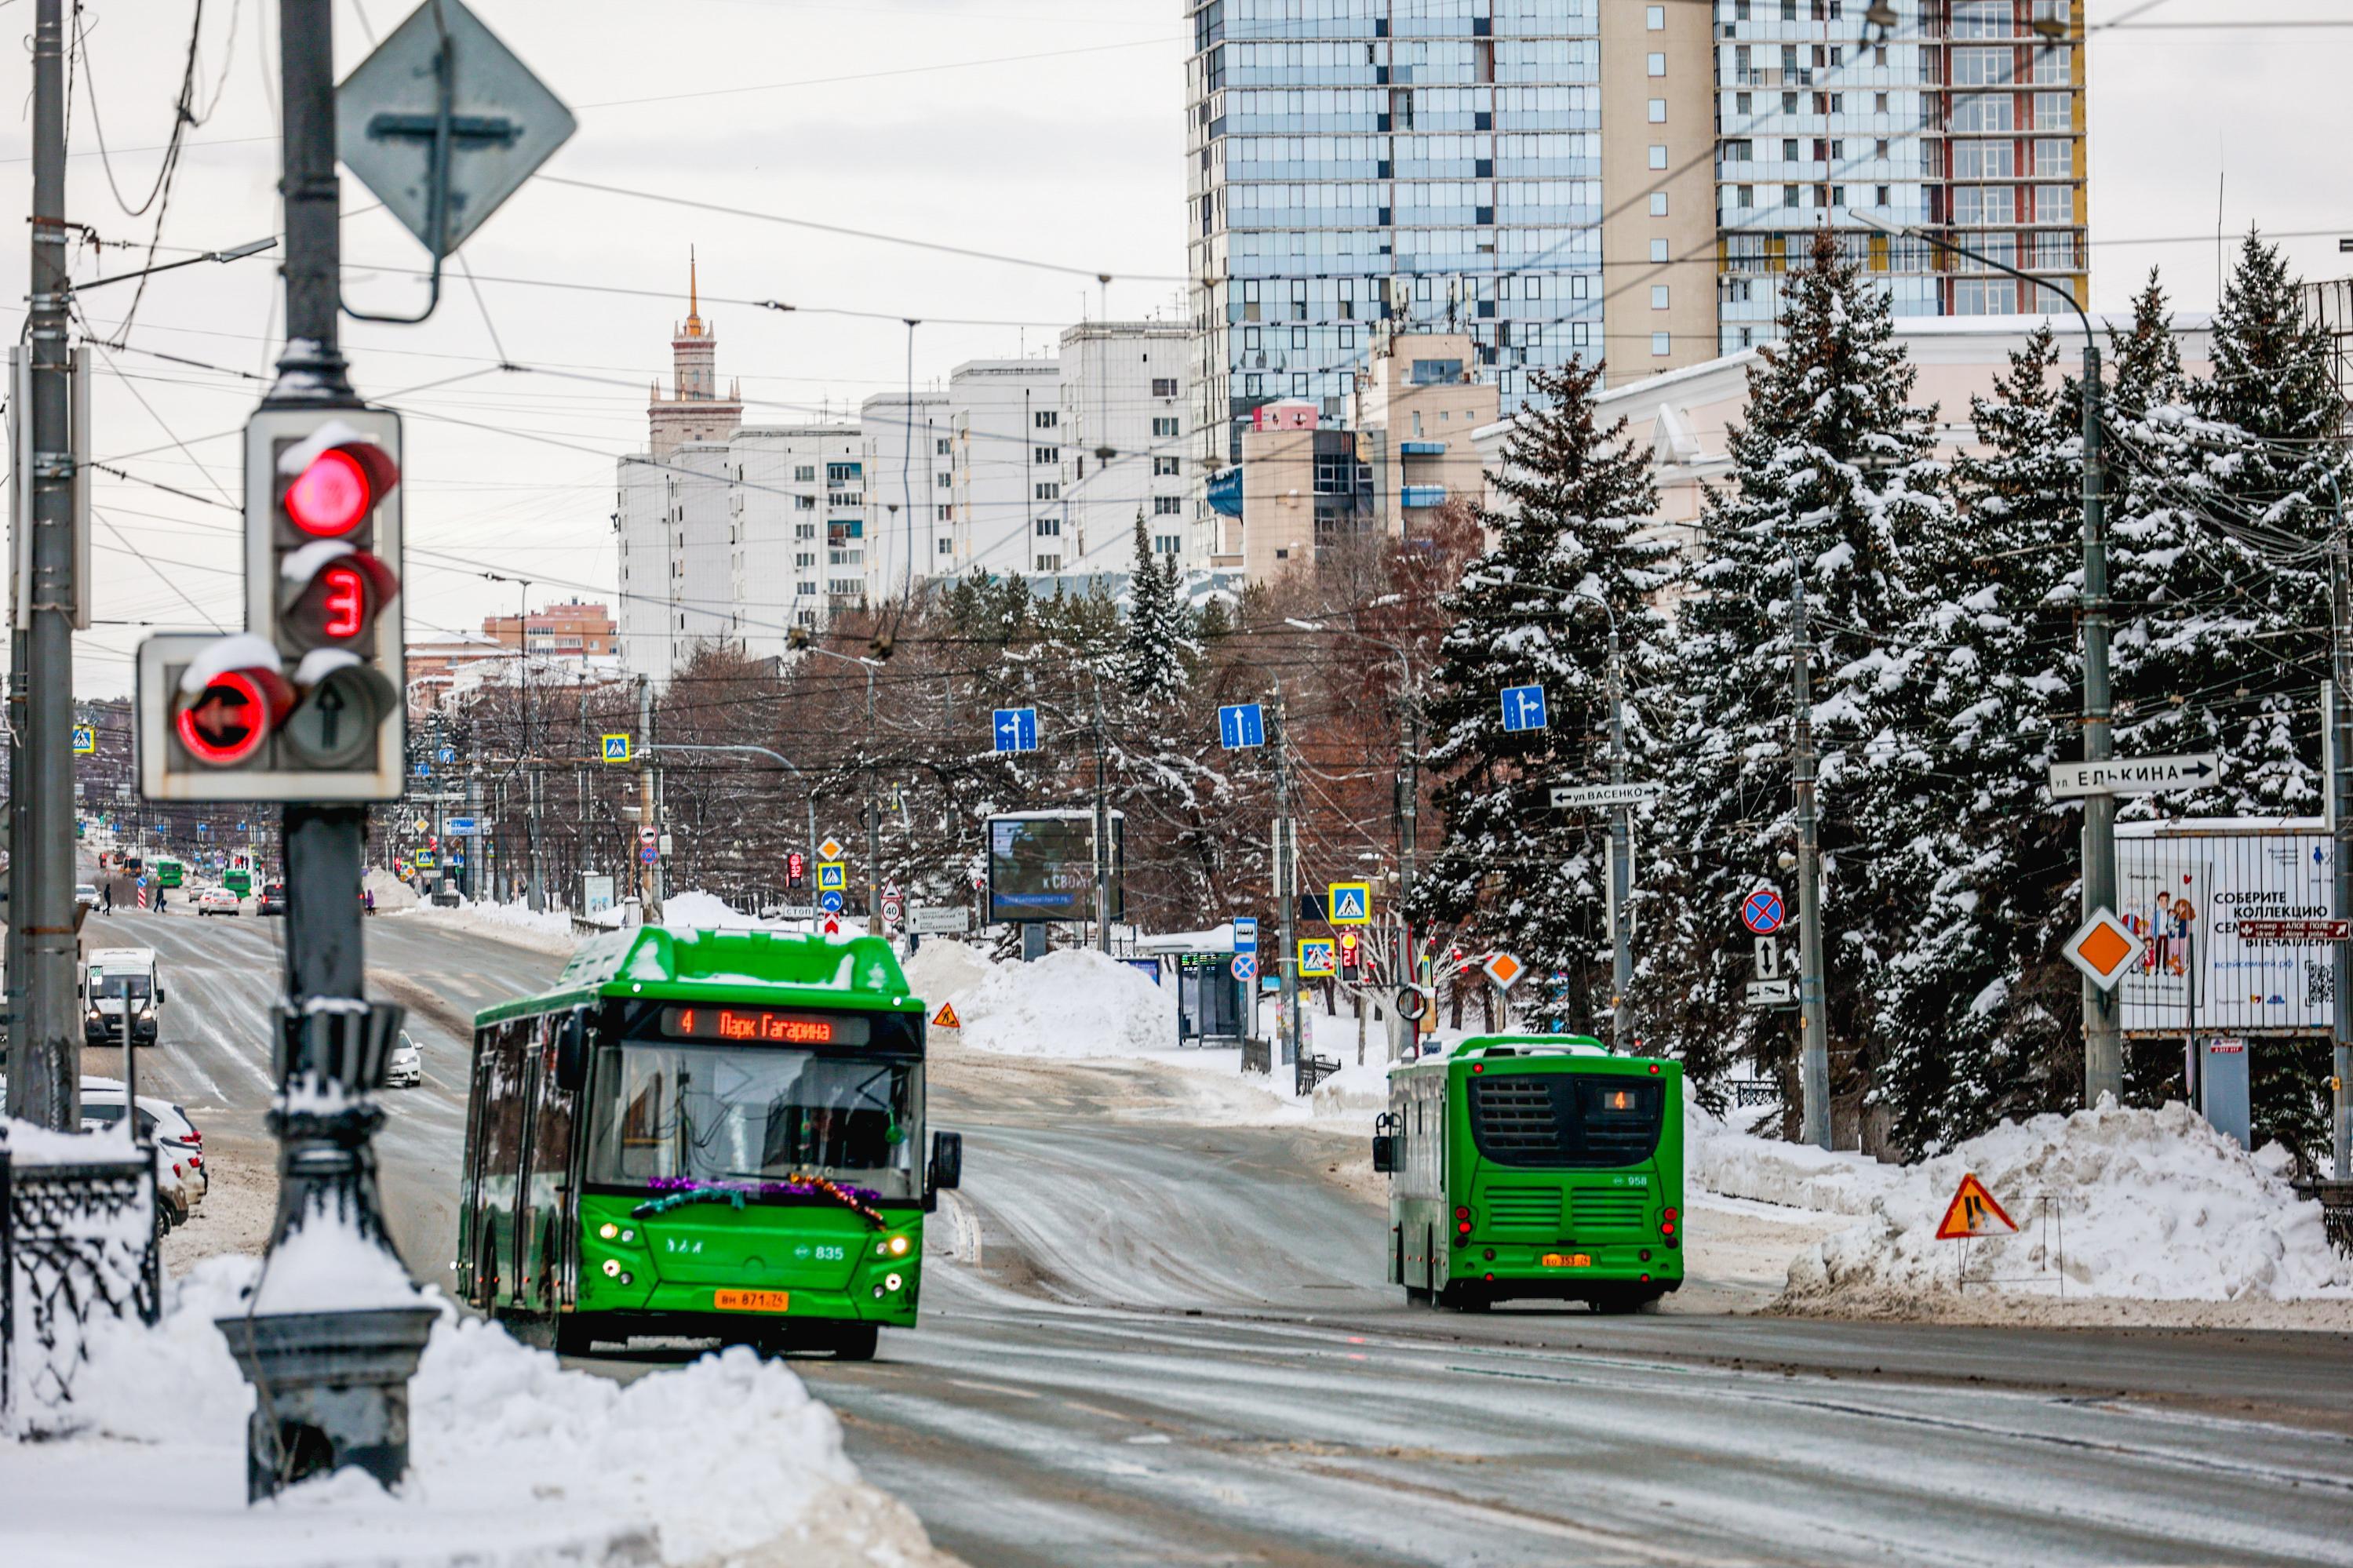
77 1242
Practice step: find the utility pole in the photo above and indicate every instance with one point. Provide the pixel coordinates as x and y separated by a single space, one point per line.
873 820
45 1085
1408 834
2340 788
1285 867
2104 1053
1813 1023
1103 835
1622 856
649 872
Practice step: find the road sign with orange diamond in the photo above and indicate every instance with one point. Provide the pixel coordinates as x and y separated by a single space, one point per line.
945 1018
1505 971
1973 1212
2104 949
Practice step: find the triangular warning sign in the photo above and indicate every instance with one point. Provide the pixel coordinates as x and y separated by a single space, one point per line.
1973 1213
945 1018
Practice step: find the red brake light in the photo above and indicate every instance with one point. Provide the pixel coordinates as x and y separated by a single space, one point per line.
1461 1213
1654 1069
330 498
1463 1226
1667 1228
1671 1211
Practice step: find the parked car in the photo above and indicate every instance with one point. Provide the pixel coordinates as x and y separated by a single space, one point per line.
219 901
406 1068
273 899
164 1124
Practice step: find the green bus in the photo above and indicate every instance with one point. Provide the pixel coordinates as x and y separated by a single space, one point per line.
237 880
168 872
1534 1166
703 1134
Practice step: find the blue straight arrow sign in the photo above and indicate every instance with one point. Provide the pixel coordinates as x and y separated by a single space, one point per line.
1241 726
1524 708
1017 729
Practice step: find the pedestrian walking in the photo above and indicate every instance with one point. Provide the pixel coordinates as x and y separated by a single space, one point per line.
106 896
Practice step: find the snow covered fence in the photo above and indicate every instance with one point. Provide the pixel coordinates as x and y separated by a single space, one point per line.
78 1244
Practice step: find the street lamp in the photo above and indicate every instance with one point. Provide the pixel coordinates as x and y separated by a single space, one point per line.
2103 1033
799 641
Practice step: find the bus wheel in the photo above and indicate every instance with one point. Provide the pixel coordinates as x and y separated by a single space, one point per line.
1463 1295
856 1341
571 1336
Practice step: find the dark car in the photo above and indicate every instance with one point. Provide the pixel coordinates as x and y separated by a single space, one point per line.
273 898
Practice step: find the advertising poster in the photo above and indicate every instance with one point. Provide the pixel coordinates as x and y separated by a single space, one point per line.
1041 866
2184 892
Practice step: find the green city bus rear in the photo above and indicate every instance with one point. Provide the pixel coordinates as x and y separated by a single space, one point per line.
703 1134
1534 1166
168 873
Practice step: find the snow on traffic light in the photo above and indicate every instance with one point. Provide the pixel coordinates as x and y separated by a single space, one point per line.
305 704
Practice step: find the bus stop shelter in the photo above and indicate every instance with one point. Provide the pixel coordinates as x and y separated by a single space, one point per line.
1213 1008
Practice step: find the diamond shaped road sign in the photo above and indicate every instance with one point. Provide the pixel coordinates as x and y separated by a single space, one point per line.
1505 971
443 79
829 850
2104 948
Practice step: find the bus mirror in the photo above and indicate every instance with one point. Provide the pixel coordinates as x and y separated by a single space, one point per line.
1384 1152
572 1053
947 1160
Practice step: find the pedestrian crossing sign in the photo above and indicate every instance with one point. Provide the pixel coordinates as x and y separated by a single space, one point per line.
85 740
1319 955
832 877
1352 903
1973 1212
617 748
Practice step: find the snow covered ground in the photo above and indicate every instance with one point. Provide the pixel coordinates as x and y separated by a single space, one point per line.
547 930
513 1460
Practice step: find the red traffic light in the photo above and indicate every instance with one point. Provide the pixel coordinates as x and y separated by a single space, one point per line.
335 480
224 715
332 594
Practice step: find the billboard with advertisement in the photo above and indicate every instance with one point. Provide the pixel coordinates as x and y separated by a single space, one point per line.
2184 886
1041 866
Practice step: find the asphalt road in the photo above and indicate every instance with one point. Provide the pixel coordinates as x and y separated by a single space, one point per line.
1147 1343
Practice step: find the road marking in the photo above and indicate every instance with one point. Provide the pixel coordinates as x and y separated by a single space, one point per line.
992 1388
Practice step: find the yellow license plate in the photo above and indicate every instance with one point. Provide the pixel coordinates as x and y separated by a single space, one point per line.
753 1301
1568 1260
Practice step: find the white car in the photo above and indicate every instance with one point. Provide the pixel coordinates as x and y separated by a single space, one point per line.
179 1147
86 895
219 901
406 1068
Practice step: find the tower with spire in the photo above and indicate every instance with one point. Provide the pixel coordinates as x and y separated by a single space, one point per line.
693 410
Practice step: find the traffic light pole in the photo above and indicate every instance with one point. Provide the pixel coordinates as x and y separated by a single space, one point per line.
332 1384
45 1039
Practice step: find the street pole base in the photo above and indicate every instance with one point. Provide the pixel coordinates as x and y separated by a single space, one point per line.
331 1389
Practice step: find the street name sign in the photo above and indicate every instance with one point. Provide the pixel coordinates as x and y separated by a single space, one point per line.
1524 708
936 921
2104 948
2136 775
2294 931
443 123
1568 797
459 827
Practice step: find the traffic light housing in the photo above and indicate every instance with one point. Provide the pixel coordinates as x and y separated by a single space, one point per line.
305 704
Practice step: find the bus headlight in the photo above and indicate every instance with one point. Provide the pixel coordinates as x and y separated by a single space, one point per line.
891 1282
612 1268
894 1247
609 1230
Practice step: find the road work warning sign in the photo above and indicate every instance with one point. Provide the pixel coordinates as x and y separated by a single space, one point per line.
945 1018
1973 1213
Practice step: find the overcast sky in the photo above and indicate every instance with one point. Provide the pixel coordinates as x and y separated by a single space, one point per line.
1049 130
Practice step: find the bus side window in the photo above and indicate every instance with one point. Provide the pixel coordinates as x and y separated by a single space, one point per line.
552 1125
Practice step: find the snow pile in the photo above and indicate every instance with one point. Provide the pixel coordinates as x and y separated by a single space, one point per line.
2155 1206
1074 1003
326 1265
946 972
545 931
390 892
708 912
1796 1175
514 1459
1354 1090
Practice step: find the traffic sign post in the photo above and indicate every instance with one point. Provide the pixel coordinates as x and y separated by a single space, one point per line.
1016 729
1524 708
1240 726
832 877
615 749
1350 903
2104 948
1318 956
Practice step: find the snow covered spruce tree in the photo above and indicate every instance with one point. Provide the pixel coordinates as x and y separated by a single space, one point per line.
1833 476
1575 527
1159 648
1978 1015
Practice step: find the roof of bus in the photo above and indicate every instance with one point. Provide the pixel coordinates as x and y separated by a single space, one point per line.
1583 1046
759 967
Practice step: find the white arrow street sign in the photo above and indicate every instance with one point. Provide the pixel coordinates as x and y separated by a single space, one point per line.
1568 797
2136 775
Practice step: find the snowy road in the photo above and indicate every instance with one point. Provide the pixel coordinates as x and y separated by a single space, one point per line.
1149 1343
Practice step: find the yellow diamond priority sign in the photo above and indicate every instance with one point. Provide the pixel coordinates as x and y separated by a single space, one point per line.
2104 949
1505 971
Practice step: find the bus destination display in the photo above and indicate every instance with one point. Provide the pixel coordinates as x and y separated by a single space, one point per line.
765 1026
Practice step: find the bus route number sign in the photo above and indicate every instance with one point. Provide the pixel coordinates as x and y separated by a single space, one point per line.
762 1025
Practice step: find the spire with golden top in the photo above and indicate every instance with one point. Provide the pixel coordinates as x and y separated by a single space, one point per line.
693 297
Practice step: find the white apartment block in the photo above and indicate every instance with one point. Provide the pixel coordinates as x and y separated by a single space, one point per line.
1005 467
677 571
1126 390
905 446
799 520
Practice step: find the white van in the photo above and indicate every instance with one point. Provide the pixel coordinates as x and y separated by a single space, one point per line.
121 990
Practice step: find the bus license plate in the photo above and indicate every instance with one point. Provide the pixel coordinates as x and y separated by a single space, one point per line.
1568 1260
753 1301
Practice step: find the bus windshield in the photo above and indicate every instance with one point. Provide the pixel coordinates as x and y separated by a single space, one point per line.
671 1112
116 987
1565 1120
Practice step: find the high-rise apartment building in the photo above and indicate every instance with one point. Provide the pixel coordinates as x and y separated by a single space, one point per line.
1126 397
1965 117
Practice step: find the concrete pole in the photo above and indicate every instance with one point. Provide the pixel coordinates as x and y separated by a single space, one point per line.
649 873
45 1087
1286 875
2103 1058
2340 786
1813 1022
873 819
1103 835
1621 861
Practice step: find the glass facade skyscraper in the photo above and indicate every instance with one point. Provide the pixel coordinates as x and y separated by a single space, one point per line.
1416 162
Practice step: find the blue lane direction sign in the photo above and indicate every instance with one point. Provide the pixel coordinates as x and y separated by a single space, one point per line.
1762 911
1524 708
459 828
85 740
1245 934
1246 967
1017 729
425 770
829 901
446 755
1241 725
1351 903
